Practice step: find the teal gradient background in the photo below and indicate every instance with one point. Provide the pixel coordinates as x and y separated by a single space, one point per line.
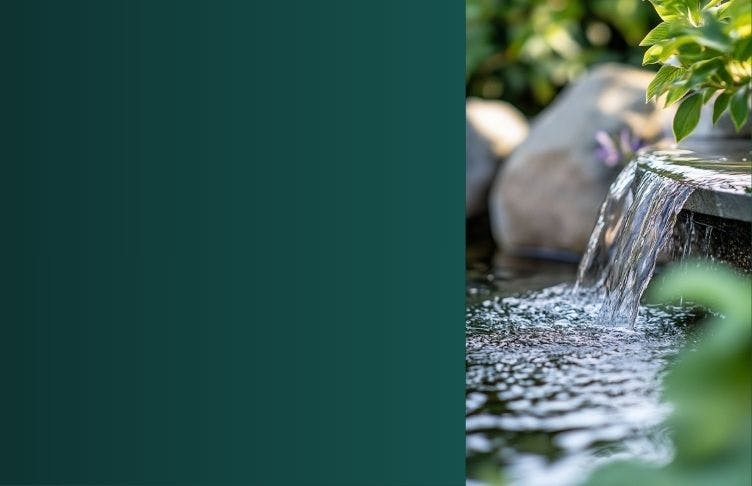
232 244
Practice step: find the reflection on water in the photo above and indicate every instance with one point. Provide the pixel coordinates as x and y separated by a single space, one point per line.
729 173
551 394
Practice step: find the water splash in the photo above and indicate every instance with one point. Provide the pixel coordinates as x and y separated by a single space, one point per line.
551 394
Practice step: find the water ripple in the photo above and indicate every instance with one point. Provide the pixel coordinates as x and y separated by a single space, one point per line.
550 393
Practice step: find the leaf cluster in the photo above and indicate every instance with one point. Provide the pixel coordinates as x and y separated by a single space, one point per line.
704 48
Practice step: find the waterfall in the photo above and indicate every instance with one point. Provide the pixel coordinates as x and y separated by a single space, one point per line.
635 222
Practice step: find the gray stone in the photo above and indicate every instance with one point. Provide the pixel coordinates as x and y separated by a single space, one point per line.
547 194
494 129
480 166
706 236
721 204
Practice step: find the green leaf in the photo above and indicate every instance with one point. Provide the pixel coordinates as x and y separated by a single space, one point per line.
663 78
687 116
689 54
710 34
720 105
693 6
652 55
741 22
734 10
669 9
675 94
724 75
707 94
739 108
714 380
708 385
703 70
659 33
661 52
743 49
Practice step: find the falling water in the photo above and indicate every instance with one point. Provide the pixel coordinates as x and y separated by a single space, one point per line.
636 222
648 224
596 260
633 225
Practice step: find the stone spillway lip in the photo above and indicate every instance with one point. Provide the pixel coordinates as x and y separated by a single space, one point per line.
722 183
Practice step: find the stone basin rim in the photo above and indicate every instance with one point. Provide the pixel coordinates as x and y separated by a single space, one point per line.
723 185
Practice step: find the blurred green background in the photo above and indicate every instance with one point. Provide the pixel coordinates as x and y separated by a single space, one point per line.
525 51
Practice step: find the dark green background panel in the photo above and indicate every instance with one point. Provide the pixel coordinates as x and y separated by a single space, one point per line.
232 243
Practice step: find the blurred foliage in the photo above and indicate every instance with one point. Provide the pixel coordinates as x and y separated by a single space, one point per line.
710 388
705 48
524 51
490 475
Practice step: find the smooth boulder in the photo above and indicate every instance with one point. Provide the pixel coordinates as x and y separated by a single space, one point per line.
547 195
493 130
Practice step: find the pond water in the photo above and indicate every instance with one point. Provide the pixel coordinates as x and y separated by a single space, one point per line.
550 393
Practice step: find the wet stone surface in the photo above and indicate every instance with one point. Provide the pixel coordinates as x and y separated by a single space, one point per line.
714 238
722 183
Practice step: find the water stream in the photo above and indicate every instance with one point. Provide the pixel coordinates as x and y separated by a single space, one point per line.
563 364
632 228
636 222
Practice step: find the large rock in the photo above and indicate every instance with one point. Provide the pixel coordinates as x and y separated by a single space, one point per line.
494 129
547 194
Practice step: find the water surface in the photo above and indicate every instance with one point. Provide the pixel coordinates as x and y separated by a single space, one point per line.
550 393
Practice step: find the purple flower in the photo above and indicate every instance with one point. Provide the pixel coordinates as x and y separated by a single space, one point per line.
629 142
607 151
612 151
